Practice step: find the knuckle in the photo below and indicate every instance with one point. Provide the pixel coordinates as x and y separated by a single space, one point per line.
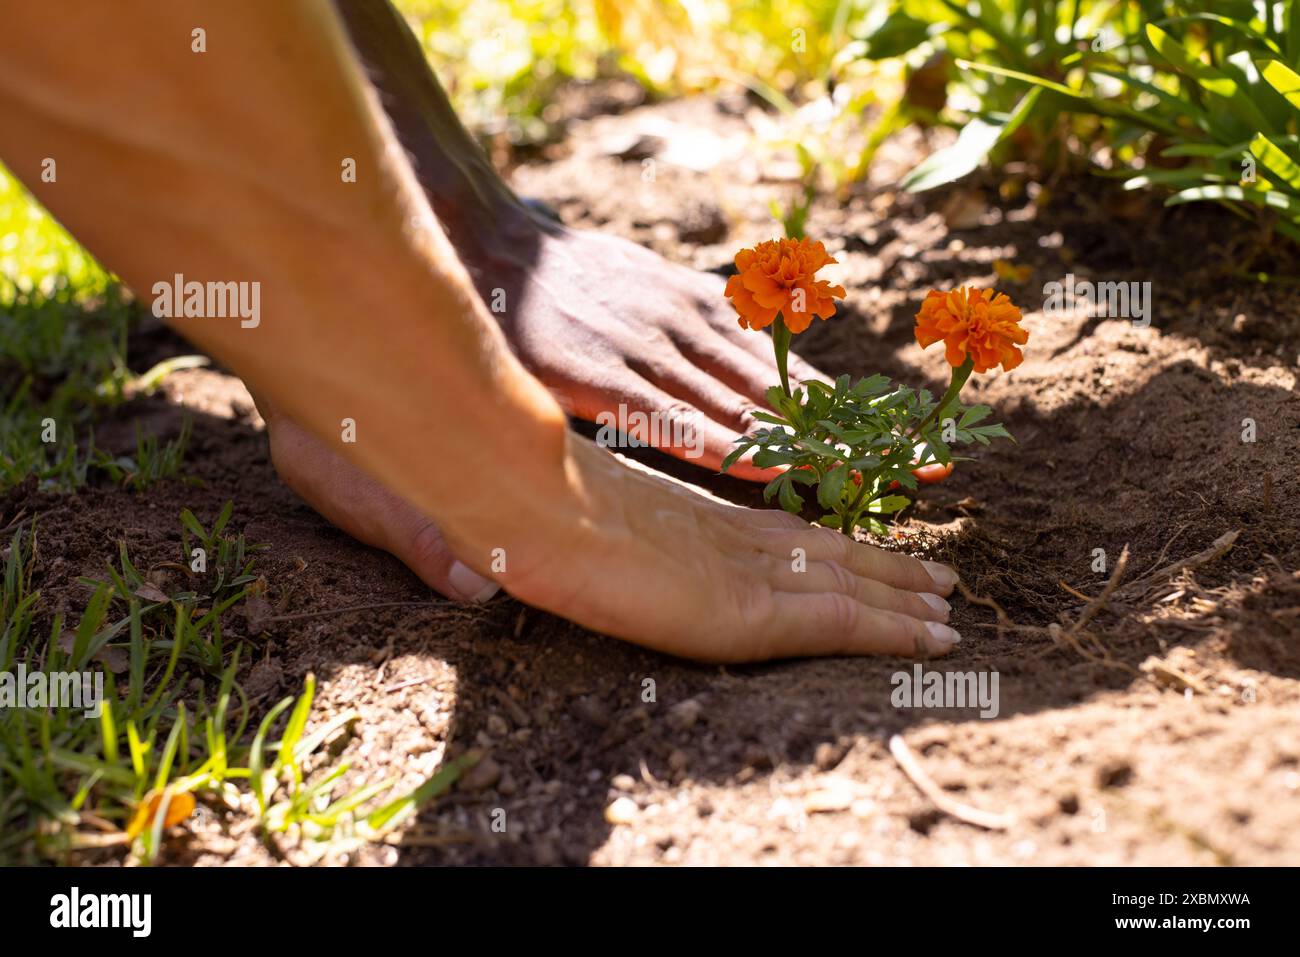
841 579
428 550
843 614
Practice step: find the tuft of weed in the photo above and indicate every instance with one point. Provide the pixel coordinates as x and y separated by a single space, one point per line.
174 729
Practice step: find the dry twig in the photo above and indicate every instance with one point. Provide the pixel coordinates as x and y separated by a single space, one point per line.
907 760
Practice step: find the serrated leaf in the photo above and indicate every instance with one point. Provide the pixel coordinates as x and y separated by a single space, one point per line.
771 487
871 385
994 431
770 458
733 455
904 478
791 500
865 463
831 489
821 448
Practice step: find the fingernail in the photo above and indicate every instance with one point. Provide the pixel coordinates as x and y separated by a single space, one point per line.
935 602
942 633
941 575
470 585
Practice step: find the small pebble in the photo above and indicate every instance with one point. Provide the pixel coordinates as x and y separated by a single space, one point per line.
683 715
481 776
622 811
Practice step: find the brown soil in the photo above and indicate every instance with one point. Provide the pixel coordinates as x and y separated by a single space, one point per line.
1127 436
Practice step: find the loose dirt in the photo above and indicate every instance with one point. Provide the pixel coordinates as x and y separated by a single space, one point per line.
1167 734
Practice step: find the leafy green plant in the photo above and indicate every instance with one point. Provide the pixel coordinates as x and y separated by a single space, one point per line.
1035 37
1201 101
856 443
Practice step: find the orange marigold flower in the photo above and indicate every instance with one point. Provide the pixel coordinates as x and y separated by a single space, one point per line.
778 276
977 323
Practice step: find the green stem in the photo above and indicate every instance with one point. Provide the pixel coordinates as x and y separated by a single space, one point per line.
781 343
959 376
850 517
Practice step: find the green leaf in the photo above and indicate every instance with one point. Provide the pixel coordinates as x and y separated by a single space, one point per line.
91 619
890 504
402 808
1282 78
995 431
1276 161
256 777
1211 79
871 385
1087 103
770 458
904 477
898 33
735 454
226 511
791 500
1244 29
976 139
1270 199
1175 103
974 414
297 723
821 448
1172 178
831 489
192 523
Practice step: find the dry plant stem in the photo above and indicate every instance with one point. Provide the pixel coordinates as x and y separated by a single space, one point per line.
1216 549
298 616
907 760
1098 603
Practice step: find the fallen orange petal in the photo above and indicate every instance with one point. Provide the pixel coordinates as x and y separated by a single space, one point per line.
181 806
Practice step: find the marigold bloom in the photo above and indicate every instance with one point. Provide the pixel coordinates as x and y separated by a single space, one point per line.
778 276
977 323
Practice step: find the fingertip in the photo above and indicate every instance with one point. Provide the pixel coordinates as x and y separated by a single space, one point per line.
941 638
940 607
468 585
944 577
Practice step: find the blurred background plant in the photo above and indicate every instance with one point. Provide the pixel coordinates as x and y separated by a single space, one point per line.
1202 98
1199 98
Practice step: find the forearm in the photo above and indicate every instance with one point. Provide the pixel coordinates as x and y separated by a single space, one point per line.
483 216
225 166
